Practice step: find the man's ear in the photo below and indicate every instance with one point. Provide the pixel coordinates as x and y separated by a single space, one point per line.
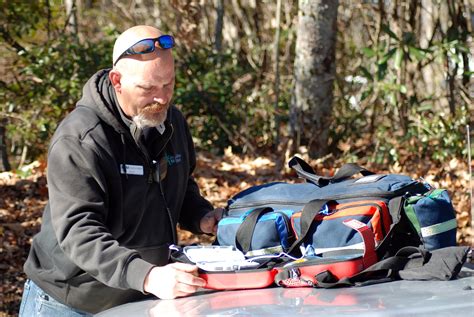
115 77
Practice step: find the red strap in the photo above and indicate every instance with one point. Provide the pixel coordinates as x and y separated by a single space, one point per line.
369 257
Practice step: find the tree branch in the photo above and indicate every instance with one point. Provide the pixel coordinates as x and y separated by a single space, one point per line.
10 40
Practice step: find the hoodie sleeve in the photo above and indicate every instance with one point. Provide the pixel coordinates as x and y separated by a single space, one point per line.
78 196
195 206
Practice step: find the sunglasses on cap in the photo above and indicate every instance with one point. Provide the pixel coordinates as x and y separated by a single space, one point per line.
148 45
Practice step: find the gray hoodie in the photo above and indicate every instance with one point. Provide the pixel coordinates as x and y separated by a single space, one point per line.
115 197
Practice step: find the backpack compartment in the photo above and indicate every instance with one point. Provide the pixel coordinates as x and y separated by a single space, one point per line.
326 232
433 217
257 232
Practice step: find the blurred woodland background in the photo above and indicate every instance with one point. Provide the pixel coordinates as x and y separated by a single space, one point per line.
384 83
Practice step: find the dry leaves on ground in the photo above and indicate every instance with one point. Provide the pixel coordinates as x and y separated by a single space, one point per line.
22 200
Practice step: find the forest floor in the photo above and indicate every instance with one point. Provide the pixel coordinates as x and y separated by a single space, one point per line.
23 196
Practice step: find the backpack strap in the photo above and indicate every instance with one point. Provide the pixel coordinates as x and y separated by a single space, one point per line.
309 212
305 171
244 235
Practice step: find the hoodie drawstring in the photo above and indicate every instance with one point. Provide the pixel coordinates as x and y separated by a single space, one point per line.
124 151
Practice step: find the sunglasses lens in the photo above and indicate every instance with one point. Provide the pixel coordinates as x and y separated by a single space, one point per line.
166 41
142 47
148 46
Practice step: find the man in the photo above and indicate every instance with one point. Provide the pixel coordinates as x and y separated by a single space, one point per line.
119 179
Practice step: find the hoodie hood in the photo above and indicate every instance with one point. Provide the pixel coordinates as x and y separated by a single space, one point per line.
99 95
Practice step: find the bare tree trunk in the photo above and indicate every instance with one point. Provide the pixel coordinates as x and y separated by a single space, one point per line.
155 13
71 14
314 73
427 25
276 61
4 163
219 26
24 155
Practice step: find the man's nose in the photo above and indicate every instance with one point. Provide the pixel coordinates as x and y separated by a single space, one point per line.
160 100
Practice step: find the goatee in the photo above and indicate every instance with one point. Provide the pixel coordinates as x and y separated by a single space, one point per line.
151 115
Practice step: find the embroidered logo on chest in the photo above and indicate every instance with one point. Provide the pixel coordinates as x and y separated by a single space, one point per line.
173 159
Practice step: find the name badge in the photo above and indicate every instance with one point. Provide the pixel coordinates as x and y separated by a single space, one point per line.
131 169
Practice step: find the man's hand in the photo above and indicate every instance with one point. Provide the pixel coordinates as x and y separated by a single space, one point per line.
173 280
209 222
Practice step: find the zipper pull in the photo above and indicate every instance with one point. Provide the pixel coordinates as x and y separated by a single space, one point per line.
155 172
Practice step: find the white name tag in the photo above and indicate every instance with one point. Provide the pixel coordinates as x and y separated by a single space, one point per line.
131 169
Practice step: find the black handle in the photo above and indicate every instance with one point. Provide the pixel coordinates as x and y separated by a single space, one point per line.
244 235
304 170
309 212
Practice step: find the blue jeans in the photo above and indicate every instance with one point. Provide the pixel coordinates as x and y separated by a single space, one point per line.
36 303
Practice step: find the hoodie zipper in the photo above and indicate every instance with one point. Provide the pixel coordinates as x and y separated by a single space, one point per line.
151 168
157 166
